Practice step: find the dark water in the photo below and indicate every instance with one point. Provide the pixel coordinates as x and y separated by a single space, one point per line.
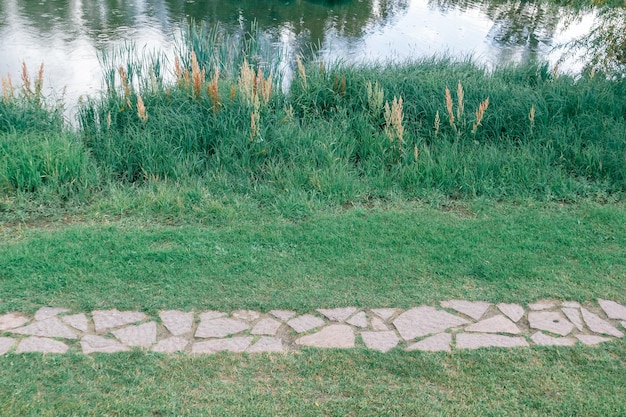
66 34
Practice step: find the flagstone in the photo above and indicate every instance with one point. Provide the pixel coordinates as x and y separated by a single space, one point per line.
220 327
234 344
381 341
384 313
473 309
171 345
591 340
550 321
570 304
266 326
266 344
210 315
52 327
542 305
143 335
109 319
177 322
358 320
544 340
612 309
246 315
6 343
437 343
378 324
333 336
624 324
47 312
512 311
77 321
11 321
41 344
480 340
421 321
337 314
91 343
496 324
305 323
598 325
283 315
573 315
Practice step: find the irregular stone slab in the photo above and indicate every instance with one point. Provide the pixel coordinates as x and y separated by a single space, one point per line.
437 343
91 343
305 323
177 322
47 312
598 325
337 314
266 344
41 344
235 344
612 309
570 304
496 324
11 321
512 311
574 316
171 345
266 326
77 321
246 315
421 321
143 335
220 327
550 321
381 341
378 324
359 320
591 340
543 305
6 343
51 327
210 315
333 336
109 319
624 324
543 339
283 315
384 313
473 309
479 340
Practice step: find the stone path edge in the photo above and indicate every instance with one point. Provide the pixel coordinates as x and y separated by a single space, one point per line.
450 326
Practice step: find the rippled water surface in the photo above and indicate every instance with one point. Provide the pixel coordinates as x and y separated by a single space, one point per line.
67 34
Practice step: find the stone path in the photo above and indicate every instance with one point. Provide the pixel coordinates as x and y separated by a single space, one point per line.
454 324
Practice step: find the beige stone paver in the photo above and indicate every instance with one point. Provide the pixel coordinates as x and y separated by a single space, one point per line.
283 315
52 327
210 315
358 320
246 315
98 344
337 314
573 315
473 309
513 311
612 309
266 344
266 326
421 321
570 304
110 319
305 323
220 327
543 339
41 344
437 343
11 321
378 324
333 336
235 344
591 340
47 312
143 335
542 305
550 321
6 343
384 313
480 340
171 345
77 321
177 322
381 341
496 324
598 325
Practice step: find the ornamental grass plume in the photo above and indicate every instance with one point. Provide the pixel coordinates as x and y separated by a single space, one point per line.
393 121
449 106
25 81
197 75
375 97
436 124
460 106
480 112
531 116
124 78
141 109
213 91
7 89
301 71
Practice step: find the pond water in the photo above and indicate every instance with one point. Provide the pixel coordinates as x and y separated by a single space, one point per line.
67 34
